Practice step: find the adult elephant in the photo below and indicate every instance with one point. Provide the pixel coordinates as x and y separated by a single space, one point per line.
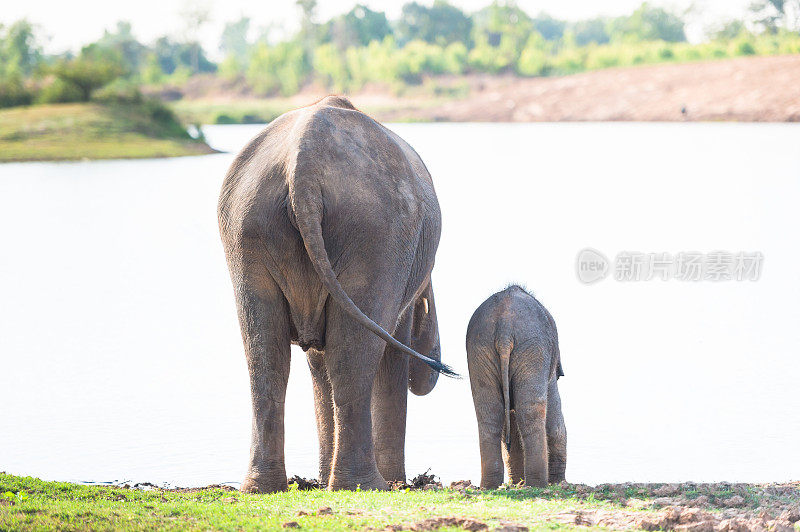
330 224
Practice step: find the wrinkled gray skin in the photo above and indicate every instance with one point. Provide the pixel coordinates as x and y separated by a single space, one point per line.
330 224
514 365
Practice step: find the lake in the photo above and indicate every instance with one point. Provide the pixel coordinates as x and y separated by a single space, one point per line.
120 353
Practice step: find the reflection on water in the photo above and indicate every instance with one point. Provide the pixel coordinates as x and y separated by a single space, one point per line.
121 357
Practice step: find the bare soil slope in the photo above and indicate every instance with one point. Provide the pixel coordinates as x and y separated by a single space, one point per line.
755 89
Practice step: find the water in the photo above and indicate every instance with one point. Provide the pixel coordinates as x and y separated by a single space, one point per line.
120 355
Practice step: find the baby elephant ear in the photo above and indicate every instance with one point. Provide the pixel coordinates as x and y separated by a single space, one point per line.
559 370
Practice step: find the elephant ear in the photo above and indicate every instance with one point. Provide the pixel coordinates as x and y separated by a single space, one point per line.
559 370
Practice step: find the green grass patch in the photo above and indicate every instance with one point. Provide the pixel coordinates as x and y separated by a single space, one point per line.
31 504
75 131
230 112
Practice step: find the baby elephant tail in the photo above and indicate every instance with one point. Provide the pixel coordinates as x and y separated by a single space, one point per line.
504 344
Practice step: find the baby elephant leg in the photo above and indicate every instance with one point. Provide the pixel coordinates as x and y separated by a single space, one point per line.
513 455
556 435
489 410
531 415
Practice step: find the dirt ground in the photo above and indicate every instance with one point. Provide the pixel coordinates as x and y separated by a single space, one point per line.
756 89
711 507
689 506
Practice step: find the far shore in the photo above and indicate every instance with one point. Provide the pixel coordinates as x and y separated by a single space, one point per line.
744 89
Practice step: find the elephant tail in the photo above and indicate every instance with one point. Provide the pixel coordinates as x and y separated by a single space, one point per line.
307 206
504 344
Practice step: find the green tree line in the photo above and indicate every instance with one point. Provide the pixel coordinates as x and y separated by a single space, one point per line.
364 46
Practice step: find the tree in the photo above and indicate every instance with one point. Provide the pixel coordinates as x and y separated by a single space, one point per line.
358 27
649 23
129 50
591 31
773 14
195 15
441 23
87 74
548 27
233 42
276 68
308 28
729 30
189 56
504 19
20 52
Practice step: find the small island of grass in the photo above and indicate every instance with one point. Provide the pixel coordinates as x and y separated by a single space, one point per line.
94 130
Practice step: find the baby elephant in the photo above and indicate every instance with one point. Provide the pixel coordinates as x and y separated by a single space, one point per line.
514 364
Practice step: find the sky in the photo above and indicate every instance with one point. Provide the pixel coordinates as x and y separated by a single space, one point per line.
70 24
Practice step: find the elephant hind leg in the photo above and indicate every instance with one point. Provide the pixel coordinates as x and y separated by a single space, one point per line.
323 405
389 408
352 354
264 321
556 436
514 455
488 399
531 410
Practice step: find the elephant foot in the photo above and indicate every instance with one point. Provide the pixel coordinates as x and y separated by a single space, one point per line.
264 483
393 472
397 477
536 482
341 482
557 476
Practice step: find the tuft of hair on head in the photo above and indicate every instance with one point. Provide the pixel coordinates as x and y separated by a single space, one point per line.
519 286
337 100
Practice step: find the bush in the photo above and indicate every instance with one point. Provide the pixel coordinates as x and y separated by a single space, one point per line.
119 91
605 56
455 58
569 61
230 68
13 93
418 58
151 117
745 48
532 62
533 58
59 91
665 53
280 68
223 118
330 68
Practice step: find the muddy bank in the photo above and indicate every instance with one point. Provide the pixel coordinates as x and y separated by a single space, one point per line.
754 89
709 507
720 506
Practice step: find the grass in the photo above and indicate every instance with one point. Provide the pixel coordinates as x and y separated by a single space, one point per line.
230 112
93 131
30 504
